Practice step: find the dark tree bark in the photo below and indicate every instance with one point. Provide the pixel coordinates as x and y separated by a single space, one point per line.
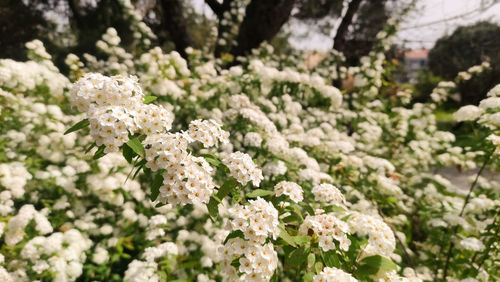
219 9
89 23
216 7
175 23
340 36
19 23
264 18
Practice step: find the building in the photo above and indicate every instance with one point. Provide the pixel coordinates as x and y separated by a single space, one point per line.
415 60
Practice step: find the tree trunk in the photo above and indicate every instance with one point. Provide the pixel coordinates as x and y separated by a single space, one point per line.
175 23
264 18
339 40
219 9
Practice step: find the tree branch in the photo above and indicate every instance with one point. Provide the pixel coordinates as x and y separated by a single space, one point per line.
215 6
339 40
467 198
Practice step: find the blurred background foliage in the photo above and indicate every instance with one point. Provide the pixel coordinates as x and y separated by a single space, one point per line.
73 26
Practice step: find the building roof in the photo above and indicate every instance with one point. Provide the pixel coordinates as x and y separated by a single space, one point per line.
417 54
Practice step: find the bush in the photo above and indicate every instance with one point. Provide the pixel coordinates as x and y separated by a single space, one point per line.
190 171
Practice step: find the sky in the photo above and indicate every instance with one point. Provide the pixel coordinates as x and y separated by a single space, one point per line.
426 24
430 20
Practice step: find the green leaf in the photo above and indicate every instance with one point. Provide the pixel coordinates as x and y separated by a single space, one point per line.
217 199
212 159
139 166
371 265
308 208
226 188
259 193
119 247
79 125
160 205
298 256
380 262
135 144
90 147
213 210
163 275
223 191
311 259
234 234
330 258
128 153
301 240
308 276
115 257
99 153
155 186
286 237
149 99
334 208
318 266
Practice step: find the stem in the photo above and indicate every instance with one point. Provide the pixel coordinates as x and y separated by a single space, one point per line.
438 262
403 247
467 198
489 245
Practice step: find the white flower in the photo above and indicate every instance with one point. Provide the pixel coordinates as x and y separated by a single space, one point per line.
466 113
100 255
327 227
472 244
208 132
252 139
242 168
256 220
328 193
290 189
381 239
332 274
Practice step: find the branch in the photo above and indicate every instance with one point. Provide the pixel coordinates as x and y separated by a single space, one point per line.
215 6
339 40
450 248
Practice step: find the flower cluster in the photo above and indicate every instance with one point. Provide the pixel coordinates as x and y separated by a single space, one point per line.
242 168
62 253
257 221
332 274
380 236
327 227
290 189
187 181
256 262
115 109
139 270
207 132
328 193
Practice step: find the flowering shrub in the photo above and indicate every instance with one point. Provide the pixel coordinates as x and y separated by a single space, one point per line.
175 169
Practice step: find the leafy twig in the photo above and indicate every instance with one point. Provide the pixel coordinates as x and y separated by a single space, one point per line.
467 198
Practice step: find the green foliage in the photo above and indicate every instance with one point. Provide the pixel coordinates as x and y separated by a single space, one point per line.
427 81
465 47
79 125
135 144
